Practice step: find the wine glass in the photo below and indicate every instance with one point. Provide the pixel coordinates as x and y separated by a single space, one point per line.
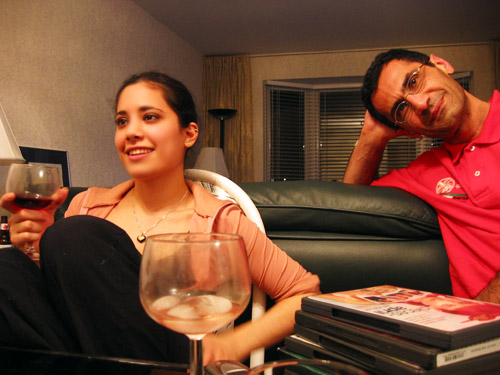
194 283
34 185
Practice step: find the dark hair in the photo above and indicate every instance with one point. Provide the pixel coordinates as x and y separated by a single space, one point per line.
370 81
175 94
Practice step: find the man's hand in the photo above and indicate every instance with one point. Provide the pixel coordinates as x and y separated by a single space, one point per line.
376 130
27 226
492 291
367 154
384 133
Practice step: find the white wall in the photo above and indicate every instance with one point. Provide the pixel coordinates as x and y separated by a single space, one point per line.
61 62
473 57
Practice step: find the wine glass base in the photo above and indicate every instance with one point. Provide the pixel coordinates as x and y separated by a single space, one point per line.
226 367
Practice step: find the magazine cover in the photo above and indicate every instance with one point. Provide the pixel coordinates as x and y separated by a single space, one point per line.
436 319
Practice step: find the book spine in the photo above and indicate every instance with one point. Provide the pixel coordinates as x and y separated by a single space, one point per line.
468 352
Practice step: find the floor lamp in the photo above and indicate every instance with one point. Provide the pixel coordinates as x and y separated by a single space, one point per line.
212 158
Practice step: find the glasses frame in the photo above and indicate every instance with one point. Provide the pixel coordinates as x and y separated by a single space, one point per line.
419 73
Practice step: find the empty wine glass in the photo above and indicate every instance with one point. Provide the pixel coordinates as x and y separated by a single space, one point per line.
34 185
194 283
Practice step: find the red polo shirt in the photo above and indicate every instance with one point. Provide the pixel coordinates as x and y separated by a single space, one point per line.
462 182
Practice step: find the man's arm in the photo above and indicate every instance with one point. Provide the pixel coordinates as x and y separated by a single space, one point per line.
492 291
367 154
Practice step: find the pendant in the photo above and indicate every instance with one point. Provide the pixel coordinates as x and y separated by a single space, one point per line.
141 238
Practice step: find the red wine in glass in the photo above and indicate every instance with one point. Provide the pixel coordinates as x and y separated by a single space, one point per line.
32 202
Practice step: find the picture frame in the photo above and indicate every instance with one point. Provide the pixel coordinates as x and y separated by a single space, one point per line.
47 156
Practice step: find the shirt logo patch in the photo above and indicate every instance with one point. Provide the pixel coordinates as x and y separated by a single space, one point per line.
445 187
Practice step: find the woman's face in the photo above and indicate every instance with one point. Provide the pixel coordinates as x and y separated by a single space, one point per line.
148 137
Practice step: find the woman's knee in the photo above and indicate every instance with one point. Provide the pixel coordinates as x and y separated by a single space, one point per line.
81 243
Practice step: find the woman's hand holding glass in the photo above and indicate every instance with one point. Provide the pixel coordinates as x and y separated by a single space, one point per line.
32 195
216 346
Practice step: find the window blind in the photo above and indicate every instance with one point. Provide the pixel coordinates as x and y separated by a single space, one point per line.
285 135
291 133
341 118
310 133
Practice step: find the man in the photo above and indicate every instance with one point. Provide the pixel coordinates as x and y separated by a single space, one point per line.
411 94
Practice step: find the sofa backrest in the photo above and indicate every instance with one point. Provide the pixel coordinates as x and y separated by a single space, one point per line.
335 207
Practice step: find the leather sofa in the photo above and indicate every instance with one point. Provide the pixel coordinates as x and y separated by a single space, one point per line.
351 236
355 236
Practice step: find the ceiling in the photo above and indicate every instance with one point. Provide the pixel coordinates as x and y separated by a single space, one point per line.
226 27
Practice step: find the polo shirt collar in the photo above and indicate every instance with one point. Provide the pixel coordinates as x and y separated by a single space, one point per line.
489 134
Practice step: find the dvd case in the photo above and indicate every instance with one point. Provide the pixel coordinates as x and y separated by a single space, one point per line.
424 355
381 364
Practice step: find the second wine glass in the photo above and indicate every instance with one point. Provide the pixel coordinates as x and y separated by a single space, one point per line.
194 283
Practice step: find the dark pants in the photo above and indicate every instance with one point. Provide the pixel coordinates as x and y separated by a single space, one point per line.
84 298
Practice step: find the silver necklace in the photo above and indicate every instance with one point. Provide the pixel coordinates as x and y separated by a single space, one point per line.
142 237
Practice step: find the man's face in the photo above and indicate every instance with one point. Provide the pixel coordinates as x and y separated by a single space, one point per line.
435 111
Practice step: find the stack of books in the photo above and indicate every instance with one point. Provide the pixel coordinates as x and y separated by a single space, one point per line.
398 331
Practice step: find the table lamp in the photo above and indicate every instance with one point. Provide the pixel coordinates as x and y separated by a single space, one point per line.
9 150
212 159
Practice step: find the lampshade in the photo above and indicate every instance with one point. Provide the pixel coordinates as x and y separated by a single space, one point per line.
222 114
212 159
9 150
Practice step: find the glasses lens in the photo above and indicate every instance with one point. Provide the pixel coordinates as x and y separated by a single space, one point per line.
401 112
413 86
415 82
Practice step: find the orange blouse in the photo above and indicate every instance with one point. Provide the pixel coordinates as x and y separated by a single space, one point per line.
271 269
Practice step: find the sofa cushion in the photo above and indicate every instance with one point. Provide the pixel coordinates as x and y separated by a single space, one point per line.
323 206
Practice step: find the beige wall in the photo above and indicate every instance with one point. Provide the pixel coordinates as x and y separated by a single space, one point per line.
61 62
474 57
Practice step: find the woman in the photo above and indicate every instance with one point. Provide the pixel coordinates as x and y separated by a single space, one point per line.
90 263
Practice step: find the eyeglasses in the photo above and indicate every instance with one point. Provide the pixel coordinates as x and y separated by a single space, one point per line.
413 86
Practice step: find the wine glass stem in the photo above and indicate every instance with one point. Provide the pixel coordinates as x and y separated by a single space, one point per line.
195 357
